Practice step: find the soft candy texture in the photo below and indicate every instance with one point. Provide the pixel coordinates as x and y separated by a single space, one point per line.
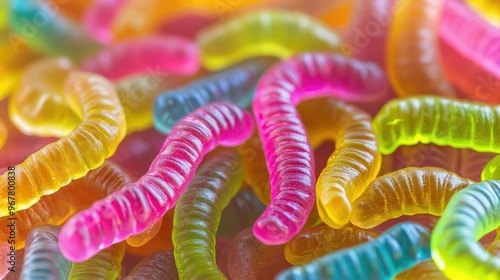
247 255
492 170
137 206
442 121
397 249
488 9
157 266
425 270
413 60
99 16
198 213
264 33
42 258
3 133
56 208
289 155
466 39
470 214
85 148
105 265
408 191
355 161
236 84
47 31
39 106
151 54
315 242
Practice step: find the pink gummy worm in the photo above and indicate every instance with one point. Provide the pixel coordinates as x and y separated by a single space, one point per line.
98 18
151 54
137 206
468 40
289 155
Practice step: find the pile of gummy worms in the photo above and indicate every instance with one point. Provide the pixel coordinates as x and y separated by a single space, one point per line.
249 139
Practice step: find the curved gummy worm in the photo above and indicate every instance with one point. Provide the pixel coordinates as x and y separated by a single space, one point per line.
85 148
488 9
413 59
39 107
157 266
492 170
236 84
354 163
466 39
138 205
151 54
409 191
78 195
198 213
315 242
3 133
241 212
99 16
42 258
4 14
289 155
470 214
107 264
442 121
247 255
264 33
47 31
425 270
397 249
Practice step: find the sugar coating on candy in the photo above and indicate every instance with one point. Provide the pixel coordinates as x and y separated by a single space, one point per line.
42 257
315 242
289 155
412 50
157 266
264 33
198 213
85 148
354 163
470 214
136 206
396 250
236 84
442 121
150 54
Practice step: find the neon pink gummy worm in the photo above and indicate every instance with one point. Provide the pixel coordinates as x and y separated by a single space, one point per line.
137 206
289 155
98 18
156 54
467 39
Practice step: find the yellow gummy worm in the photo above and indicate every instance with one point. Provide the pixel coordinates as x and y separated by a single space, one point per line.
413 54
264 33
407 191
425 270
3 133
488 9
102 128
354 163
107 264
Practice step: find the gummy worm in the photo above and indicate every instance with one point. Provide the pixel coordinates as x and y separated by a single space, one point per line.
397 249
157 266
73 9
488 9
315 242
136 206
413 59
84 149
157 54
47 31
442 121
247 255
42 258
466 39
198 212
107 264
99 16
264 33
470 214
354 163
236 84
3 133
289 155
409 191
492 170
424 270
